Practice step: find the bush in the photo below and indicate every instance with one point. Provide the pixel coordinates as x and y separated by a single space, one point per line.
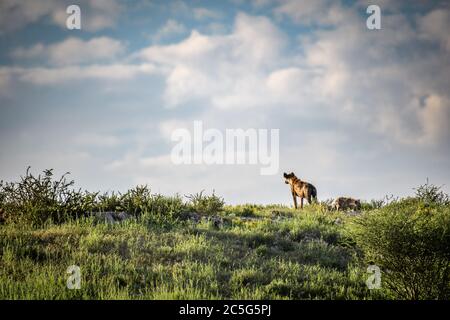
135 201
410 241
377 204
163 211
432 194
205 204
36 199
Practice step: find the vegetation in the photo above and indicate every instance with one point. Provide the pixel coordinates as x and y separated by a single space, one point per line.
410 241
199 248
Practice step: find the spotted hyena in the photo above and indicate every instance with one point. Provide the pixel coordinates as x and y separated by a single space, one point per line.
301 189
344 203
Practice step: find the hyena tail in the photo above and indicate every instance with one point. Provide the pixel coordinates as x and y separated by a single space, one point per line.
314 194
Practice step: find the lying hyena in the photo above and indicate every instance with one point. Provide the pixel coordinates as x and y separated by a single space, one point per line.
300 189
343 203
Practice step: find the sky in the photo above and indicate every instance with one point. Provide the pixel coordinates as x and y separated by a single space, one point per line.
361 113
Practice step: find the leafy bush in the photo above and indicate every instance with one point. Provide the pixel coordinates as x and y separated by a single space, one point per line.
38 199
327 203
377 204
430 194
206 204
35 199
135 201
410 241
164 211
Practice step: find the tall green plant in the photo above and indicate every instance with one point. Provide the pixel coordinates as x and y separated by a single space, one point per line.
206 204
36 199
410 241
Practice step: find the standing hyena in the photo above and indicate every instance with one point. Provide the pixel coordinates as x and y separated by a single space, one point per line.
300 189
343 203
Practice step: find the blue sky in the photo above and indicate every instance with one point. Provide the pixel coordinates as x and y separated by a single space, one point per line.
361 113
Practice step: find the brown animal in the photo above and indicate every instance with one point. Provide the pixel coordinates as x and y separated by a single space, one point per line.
301 189
344 203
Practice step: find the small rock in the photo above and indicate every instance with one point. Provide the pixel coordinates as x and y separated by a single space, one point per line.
111 217
121 216
104 217
194 217
216 221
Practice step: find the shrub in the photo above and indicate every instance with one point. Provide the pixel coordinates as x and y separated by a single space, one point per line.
206 204
162 210
36 199
377 204
154 209
327 203
135 201
430 194
410 241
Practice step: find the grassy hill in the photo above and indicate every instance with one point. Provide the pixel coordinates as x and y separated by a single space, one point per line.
199 248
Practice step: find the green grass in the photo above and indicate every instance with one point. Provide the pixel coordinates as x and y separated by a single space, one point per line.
298 256
201 248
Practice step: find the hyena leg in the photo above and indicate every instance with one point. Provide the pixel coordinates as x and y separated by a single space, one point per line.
301 203
295 200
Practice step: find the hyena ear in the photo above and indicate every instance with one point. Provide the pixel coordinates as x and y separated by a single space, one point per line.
285 174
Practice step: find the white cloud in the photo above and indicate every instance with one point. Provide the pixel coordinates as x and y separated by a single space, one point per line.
340 71
292 84
96 14
435 26
204 13
54 76
318 12
434 116
171 27
73 51
15 14
108 72
371 77
220 68
181 8
36 51
261 3
347 72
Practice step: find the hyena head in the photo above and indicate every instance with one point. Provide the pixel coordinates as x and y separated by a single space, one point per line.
290 177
